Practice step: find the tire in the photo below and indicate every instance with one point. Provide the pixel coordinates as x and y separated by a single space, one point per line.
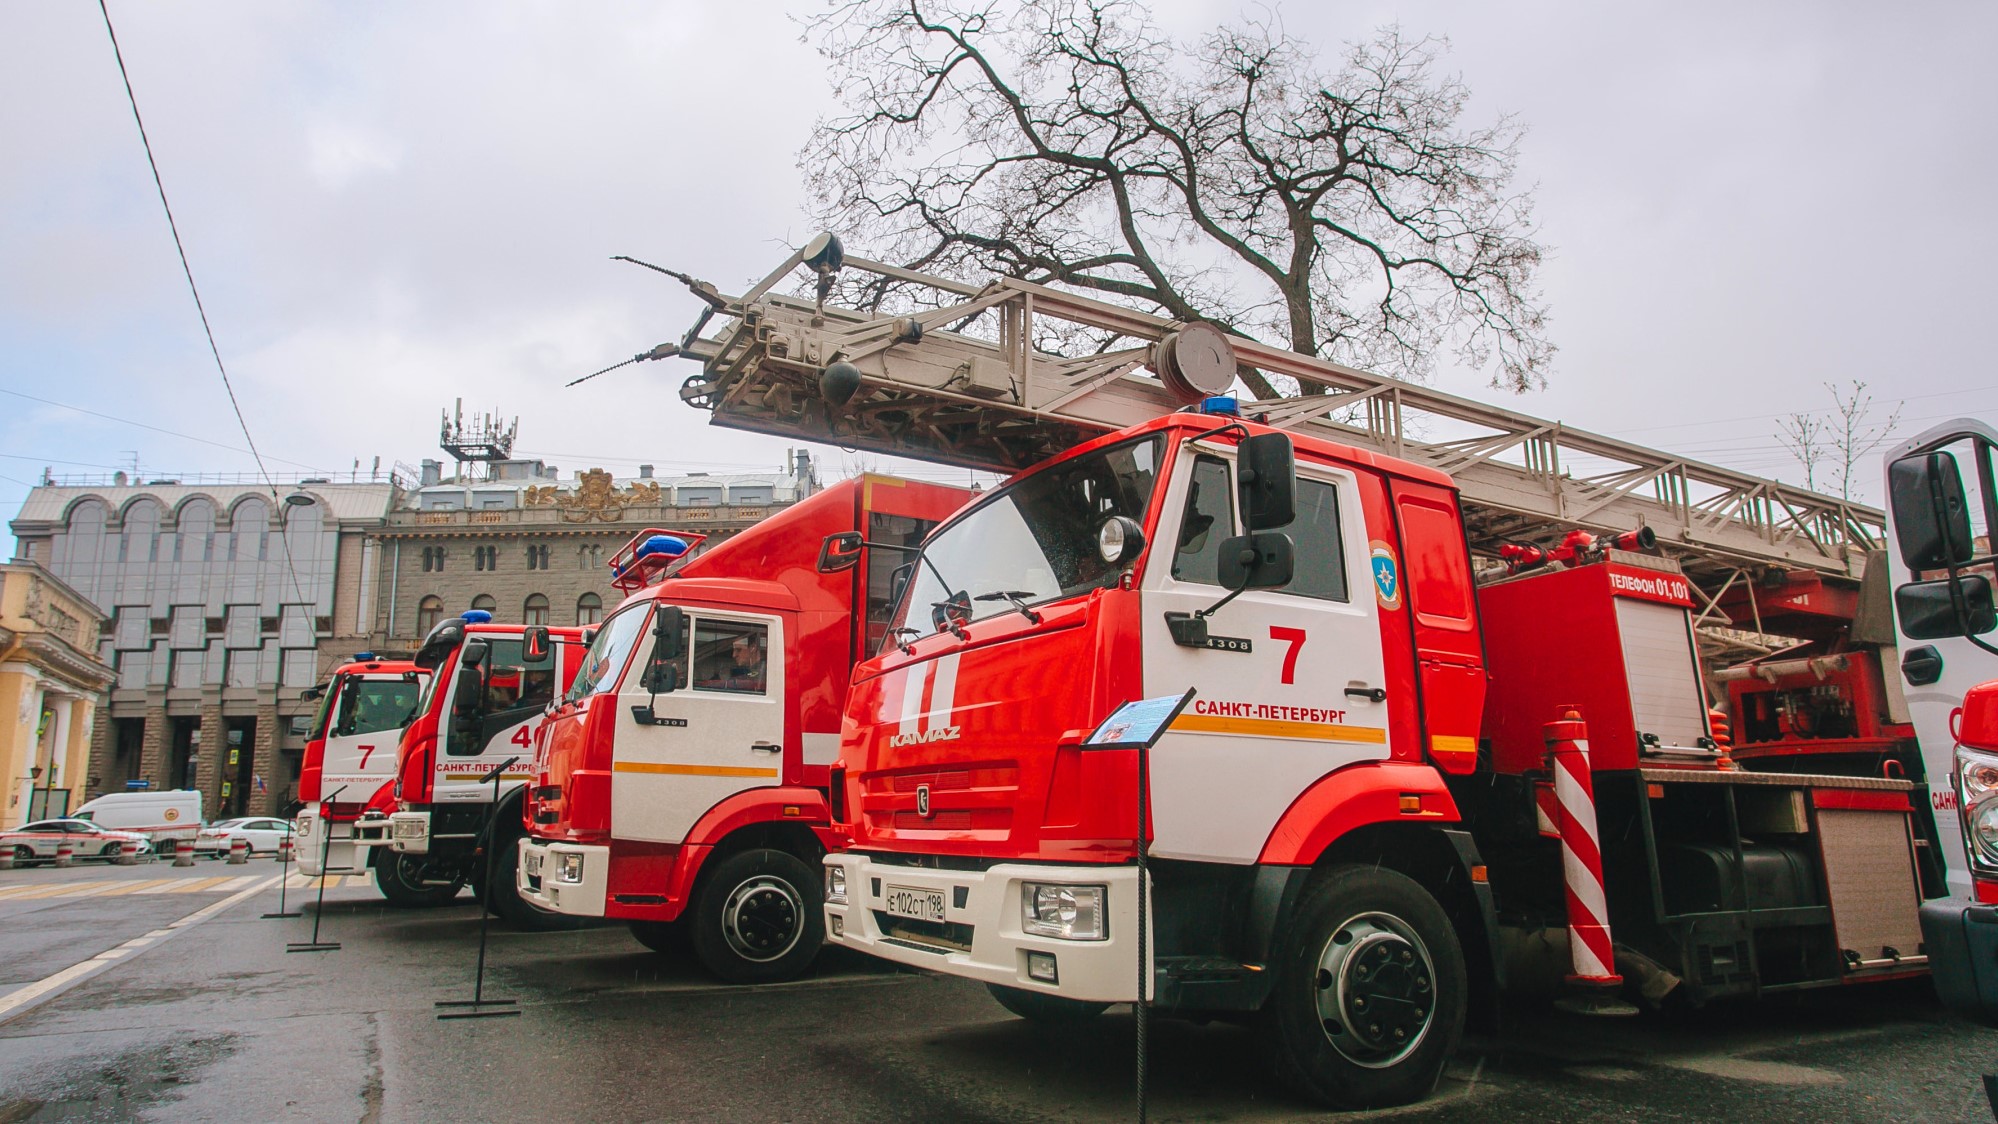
1365 943
396 877
109 853
666 937
23 854
1047 1010
758 917
502 895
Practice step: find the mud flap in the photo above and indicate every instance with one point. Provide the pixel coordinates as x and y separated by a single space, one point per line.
1962 943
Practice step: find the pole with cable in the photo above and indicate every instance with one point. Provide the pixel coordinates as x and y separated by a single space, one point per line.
318 909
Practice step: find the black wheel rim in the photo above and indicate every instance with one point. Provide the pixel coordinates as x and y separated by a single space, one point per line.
1375 990
763 918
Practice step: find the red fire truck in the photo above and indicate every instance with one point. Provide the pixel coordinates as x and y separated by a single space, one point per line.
350 756
681 780
1405 766
477 715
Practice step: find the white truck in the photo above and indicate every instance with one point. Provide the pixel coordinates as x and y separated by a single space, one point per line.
1942 505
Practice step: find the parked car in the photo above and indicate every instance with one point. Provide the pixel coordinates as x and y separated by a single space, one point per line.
36 842
262 833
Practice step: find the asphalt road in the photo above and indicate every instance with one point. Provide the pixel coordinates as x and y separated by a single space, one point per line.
207 1017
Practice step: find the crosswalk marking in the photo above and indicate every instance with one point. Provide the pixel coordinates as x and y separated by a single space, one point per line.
223 884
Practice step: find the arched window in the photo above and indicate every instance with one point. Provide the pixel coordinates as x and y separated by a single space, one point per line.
248 525
141 540
589 609
485 601
535 611
428 612
195 541
85 540
302 523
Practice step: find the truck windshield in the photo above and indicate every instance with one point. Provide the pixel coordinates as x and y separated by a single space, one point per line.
369 706
607 654
1034 540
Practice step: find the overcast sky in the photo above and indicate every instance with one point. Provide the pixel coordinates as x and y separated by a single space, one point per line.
389 206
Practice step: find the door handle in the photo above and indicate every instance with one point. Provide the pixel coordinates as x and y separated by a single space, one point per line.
766 747
1371 694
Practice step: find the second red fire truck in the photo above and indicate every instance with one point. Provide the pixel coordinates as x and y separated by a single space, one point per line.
681 785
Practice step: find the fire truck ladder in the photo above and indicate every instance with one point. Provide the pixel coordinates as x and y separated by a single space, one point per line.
973 376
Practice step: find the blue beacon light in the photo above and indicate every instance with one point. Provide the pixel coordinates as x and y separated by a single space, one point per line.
1224 404
476 616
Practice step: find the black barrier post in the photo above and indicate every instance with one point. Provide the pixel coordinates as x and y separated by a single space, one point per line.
318 909
478 1001
284 869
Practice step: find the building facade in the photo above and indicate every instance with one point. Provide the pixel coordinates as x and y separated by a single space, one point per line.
220 602
51 686
529 547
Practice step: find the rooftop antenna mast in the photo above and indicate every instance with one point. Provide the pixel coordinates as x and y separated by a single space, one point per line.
479 444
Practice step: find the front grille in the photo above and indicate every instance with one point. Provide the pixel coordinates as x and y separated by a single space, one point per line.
938 782
931 936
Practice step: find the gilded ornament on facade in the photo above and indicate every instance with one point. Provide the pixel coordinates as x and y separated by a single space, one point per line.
595 496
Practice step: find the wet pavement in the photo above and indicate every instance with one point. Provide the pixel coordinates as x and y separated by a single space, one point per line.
214 1020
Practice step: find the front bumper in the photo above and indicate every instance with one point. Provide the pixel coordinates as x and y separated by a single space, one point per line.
309 844
577 899
985 940
1961 939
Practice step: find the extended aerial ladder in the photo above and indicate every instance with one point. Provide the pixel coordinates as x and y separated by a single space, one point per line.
966 376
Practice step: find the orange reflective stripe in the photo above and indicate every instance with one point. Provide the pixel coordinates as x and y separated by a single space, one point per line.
1278 728
691 770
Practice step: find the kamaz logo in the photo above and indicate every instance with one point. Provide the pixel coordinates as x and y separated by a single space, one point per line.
925 737
923 800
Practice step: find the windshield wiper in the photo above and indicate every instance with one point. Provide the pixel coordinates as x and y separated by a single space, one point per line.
904 645
1019 599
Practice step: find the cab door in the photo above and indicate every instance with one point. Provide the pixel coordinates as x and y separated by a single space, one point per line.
476 740
1287 689
720 731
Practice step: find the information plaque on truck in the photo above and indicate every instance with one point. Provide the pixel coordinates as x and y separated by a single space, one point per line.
1138 724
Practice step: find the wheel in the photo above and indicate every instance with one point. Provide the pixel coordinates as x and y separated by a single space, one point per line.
109 852
1369 998
758 917
399 878
1048 1010
669 937
502 894
23 854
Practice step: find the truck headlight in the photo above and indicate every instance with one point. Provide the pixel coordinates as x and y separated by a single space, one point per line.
835 885
1977 799
1070 913
569 868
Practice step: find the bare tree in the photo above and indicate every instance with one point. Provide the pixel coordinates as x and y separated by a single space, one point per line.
1350 214
1843 437
1804 435
1854 432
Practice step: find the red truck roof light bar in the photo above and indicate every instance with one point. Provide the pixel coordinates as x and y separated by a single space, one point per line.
650 555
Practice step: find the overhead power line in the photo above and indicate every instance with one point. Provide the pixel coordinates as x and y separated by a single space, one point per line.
207 330
179 248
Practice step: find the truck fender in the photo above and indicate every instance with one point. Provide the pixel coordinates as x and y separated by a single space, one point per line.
805 807
1352 798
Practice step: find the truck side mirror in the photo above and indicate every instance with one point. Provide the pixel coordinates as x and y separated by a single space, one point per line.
1258 560
1931 610
468 698
1931 517
1266 468
535 644
669 626
899 582
841 552
474 653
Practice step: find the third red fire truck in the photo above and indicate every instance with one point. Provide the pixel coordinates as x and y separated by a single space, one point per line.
681 785
351 756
